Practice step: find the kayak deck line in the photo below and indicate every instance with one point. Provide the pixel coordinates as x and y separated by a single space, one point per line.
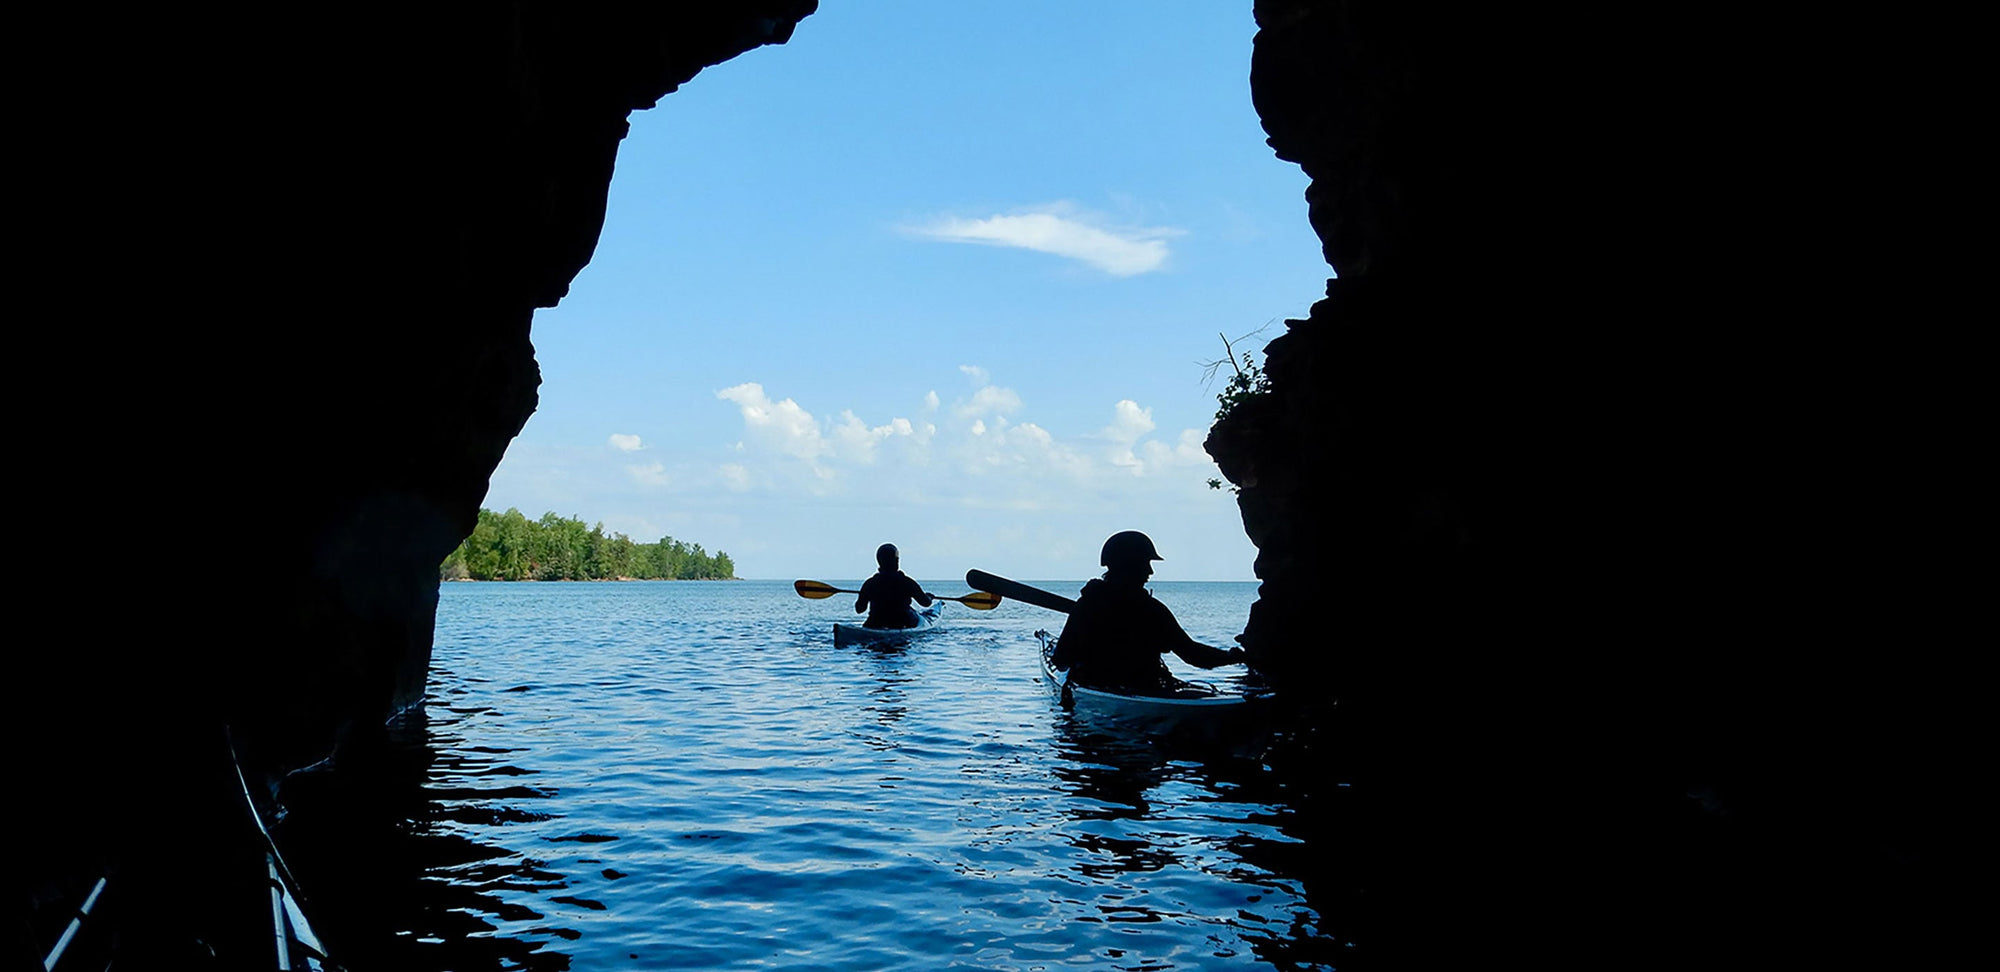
1188 698
296 945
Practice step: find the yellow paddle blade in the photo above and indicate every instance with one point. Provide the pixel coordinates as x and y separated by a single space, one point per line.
815 589
981 601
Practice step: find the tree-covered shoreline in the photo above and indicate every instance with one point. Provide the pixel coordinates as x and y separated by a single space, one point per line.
509 546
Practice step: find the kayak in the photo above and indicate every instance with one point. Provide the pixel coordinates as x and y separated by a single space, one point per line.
290 937
858 634
83 910
1186 699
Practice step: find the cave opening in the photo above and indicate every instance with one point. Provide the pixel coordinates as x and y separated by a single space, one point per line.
873 284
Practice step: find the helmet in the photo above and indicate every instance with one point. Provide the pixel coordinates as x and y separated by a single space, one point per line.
1127 547
885 555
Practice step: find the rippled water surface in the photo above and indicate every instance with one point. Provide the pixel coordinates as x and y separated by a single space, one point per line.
692 775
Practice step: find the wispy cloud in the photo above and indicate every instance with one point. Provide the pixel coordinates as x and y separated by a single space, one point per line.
1063 230
654 474
989 400
625 443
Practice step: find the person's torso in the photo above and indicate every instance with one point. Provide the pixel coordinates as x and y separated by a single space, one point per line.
889 596
1114 639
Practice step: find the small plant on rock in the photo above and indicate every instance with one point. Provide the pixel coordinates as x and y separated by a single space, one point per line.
1246 382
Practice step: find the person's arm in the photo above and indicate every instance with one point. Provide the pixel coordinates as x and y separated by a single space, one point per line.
1203 656
861 601
1191 651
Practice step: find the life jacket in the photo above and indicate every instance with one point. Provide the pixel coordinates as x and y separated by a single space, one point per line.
889 594
1114 638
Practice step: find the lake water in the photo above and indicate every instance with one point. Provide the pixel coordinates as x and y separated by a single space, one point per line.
659 775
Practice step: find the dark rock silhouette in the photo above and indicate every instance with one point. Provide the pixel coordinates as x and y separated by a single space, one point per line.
1626 599
283 266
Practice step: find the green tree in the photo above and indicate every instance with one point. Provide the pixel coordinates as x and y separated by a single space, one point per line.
617 556
514 546
509 546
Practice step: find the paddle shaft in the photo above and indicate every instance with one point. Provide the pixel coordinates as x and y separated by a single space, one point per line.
980 580
817 590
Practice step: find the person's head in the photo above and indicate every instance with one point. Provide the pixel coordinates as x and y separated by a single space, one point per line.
886 556
1128 555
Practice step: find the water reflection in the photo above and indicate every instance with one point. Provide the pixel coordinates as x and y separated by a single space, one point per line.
390 870
887 701
1215 803
785 803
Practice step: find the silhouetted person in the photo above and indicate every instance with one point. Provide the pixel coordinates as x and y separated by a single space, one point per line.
887 595
1116 633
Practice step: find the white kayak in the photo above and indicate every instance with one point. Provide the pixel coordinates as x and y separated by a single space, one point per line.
1188 699
859 634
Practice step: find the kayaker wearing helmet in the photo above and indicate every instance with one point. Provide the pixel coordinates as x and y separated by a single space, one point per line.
887 595
1116 633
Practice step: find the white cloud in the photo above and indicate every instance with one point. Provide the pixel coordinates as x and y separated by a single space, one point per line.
1128 423
930 401
784 424
625 443
979 375
650 475
1064 231
988 400
989 456
790 430
1185 453
855 440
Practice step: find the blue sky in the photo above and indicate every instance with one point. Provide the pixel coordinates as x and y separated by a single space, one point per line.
940 274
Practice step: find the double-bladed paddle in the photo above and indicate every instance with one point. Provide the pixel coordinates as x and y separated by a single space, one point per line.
980 580
816 591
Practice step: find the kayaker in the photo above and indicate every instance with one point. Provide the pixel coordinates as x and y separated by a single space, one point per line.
887 595
1116 633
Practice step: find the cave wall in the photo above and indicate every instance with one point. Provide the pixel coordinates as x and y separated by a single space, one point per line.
469 175
1595 502
278 270
353 215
